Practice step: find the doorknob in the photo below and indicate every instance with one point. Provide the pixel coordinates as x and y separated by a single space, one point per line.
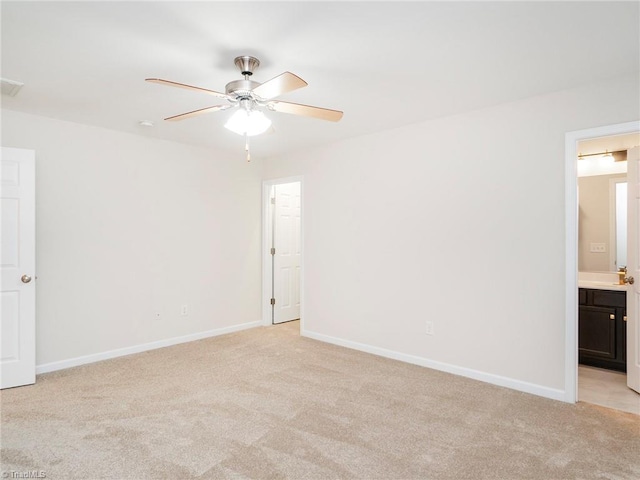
25 278
629 280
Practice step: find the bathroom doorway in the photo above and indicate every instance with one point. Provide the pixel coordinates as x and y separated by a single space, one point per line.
596 251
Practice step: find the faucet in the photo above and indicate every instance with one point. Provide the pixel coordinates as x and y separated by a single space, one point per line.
622 275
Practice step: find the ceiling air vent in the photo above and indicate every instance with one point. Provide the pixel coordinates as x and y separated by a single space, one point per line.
10 87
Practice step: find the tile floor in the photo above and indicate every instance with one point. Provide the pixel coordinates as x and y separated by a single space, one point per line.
606 388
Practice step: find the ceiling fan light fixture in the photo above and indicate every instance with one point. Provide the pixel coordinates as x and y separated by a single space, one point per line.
248 122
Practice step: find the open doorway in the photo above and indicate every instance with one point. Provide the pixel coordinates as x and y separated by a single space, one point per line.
282 251
602 255
597 302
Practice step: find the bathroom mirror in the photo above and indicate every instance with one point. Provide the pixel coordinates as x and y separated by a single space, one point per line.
602 223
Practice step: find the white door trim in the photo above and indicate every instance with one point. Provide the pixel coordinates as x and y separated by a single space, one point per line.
571 246
266 246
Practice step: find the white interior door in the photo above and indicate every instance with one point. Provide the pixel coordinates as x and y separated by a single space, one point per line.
633 268
18 345
286 252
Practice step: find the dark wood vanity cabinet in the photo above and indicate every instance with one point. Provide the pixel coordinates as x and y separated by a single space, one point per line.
602 330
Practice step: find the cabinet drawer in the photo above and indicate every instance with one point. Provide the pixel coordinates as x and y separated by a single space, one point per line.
606 298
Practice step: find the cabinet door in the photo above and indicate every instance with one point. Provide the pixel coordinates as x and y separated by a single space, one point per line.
597 332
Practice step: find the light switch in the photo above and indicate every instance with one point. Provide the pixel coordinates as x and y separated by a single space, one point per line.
598 248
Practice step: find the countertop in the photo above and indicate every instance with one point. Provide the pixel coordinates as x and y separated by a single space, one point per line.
600 281
601 285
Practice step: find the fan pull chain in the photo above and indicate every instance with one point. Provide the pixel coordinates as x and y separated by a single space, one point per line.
246 147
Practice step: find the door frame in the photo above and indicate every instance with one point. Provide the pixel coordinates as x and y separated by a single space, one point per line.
571 245
266 246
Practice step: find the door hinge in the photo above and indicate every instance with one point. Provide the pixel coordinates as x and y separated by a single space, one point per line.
273 251
273 301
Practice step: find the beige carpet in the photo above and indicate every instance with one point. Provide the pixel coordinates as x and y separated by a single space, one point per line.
266 403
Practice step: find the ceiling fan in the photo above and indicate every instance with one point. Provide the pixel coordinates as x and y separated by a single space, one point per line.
250 97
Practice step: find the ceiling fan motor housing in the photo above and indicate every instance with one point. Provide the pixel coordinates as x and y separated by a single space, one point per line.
240 88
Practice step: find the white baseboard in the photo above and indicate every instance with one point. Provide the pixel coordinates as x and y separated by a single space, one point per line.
120 352
519 385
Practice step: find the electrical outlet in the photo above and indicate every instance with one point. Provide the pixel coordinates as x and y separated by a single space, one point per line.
598 248
429 329
184 310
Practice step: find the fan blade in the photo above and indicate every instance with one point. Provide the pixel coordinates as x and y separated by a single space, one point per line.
283 83
195 113
160 81
306 110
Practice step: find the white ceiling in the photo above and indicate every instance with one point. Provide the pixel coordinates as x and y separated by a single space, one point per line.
385 64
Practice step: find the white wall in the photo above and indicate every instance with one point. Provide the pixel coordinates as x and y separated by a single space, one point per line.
458 220
128 227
